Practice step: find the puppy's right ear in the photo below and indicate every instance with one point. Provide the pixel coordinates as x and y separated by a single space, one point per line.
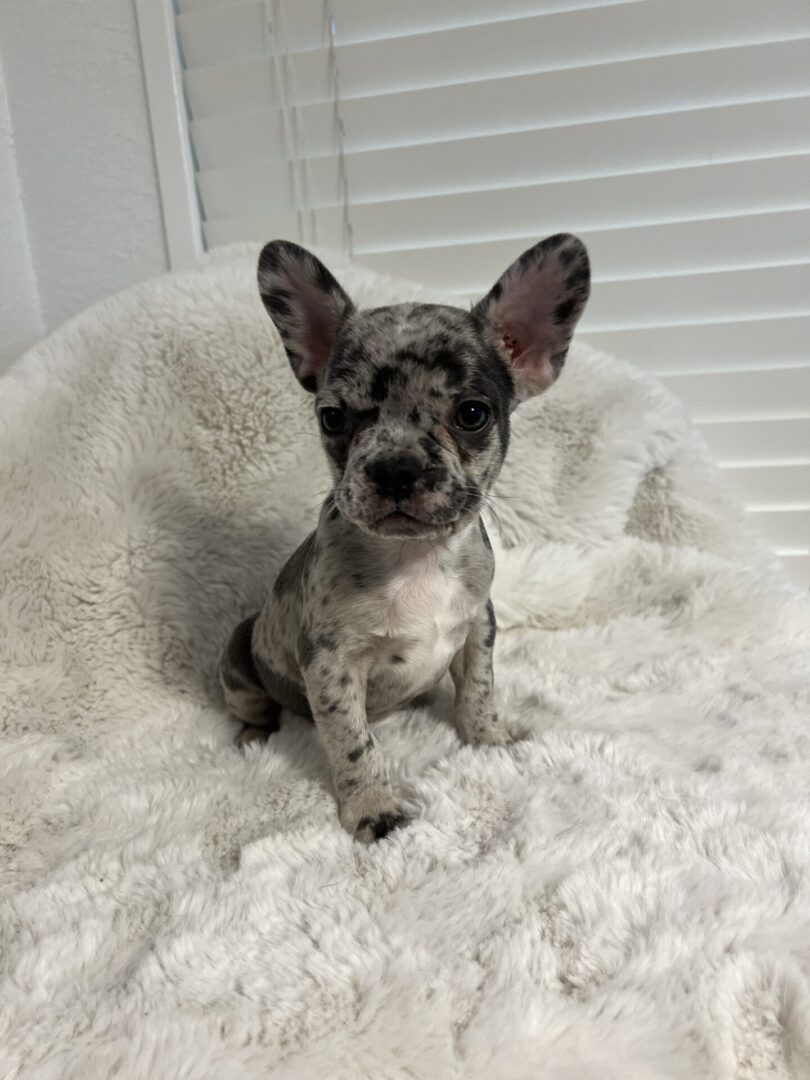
306 304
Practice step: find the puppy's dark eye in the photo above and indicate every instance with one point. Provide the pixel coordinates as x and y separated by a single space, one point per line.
334 421
472 415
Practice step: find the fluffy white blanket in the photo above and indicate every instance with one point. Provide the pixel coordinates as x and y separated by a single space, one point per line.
625 894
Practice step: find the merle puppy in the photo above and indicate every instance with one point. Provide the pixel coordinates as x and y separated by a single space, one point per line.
392 588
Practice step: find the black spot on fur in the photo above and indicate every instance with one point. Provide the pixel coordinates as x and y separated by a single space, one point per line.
355 755
432 447
344 680
397 659
338 451
238 667
382 825
567 255
306 648
283 690
292 571
414 416
578 278
366 416
381 383
278 305
349 354
557 361
309 383
564 311
434 478
489 640
450 366
324 278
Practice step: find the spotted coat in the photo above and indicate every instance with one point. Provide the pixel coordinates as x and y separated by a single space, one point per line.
391 590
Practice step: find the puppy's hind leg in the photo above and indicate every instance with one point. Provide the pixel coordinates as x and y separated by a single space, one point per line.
245 695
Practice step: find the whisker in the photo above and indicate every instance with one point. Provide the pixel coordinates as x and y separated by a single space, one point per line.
494 512
489 495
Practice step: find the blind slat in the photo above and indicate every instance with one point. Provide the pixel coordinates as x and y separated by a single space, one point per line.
710 346
487 106
758 442
769 394
513 47
786 530
369 20
769 487
694 193
726 295
704 136
686 247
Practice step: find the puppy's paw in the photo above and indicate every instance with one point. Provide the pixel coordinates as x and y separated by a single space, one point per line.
371 814
251 734
493 733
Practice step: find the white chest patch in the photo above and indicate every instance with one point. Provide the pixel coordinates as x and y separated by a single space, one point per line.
423 620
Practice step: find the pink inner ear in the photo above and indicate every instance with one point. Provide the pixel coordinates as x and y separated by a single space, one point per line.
319 338
511 346
529 335
529 356
321 319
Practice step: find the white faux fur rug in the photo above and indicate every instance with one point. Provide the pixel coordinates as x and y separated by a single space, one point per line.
625 894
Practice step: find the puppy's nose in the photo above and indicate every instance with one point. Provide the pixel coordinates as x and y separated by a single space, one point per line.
395 476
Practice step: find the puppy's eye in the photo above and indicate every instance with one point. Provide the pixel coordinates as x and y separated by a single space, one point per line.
334 421
472 415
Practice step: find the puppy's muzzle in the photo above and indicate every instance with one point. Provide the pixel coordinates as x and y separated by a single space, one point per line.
400 476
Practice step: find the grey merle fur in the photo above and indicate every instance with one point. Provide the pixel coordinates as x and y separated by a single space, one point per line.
391 590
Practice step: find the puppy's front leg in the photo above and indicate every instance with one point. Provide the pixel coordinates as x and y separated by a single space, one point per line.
471 670
368 806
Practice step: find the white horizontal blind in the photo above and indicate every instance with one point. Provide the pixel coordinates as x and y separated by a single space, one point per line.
441 137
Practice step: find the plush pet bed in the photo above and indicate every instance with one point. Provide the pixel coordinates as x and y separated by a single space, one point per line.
623 894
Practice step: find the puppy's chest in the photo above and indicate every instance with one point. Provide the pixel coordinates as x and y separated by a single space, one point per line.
420 621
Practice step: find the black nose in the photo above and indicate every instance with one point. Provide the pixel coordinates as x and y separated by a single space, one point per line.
395 476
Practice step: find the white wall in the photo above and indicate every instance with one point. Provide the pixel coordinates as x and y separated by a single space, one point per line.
20 315
84 162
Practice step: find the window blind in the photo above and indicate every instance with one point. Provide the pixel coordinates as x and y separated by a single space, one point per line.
437 139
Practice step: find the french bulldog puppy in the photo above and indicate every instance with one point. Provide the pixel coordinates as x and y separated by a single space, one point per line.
391 590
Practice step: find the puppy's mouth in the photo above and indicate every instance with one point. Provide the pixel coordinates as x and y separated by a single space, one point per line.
400 523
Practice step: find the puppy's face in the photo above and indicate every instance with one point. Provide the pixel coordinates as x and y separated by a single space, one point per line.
414 408
413 401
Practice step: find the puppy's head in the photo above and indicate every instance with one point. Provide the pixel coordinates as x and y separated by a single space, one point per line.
413 401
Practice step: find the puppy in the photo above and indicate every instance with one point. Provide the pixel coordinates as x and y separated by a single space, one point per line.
391 590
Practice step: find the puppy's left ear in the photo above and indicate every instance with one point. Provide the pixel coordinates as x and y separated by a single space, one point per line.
306 304
534 307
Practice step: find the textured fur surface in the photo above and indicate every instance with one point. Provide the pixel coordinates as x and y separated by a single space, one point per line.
622 895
